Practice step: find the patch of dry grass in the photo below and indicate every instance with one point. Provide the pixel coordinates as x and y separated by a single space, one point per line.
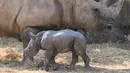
9 54
10 49
5 70
108 53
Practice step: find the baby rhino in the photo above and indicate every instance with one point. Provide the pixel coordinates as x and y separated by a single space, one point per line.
54 42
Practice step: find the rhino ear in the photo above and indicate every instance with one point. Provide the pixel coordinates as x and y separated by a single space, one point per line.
30 35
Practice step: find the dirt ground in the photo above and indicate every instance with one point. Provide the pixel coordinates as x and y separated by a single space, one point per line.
105 58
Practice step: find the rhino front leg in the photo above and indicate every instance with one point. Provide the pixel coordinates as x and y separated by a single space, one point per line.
24 37
48 56
54 64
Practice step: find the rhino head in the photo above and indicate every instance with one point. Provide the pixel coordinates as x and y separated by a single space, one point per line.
106 11
31 50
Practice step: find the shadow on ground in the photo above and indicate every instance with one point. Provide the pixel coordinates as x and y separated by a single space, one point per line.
13 67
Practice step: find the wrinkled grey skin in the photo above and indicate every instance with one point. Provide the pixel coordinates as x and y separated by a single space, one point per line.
54 42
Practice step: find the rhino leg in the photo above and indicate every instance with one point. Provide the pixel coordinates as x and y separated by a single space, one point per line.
48 56
54 64
24 37
74 60
80 49
86 60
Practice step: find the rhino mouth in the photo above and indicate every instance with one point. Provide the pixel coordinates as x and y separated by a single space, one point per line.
27 61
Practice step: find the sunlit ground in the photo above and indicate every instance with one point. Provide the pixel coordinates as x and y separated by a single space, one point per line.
105 58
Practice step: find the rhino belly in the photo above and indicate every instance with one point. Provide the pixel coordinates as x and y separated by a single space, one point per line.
63 43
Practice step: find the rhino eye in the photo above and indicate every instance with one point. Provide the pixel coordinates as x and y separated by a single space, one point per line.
109 27
29 47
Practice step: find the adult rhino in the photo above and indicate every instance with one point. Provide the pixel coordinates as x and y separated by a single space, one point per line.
19 16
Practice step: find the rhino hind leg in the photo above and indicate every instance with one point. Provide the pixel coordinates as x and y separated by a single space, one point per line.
86 60
80 49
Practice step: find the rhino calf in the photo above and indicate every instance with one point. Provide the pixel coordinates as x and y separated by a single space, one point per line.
54 42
